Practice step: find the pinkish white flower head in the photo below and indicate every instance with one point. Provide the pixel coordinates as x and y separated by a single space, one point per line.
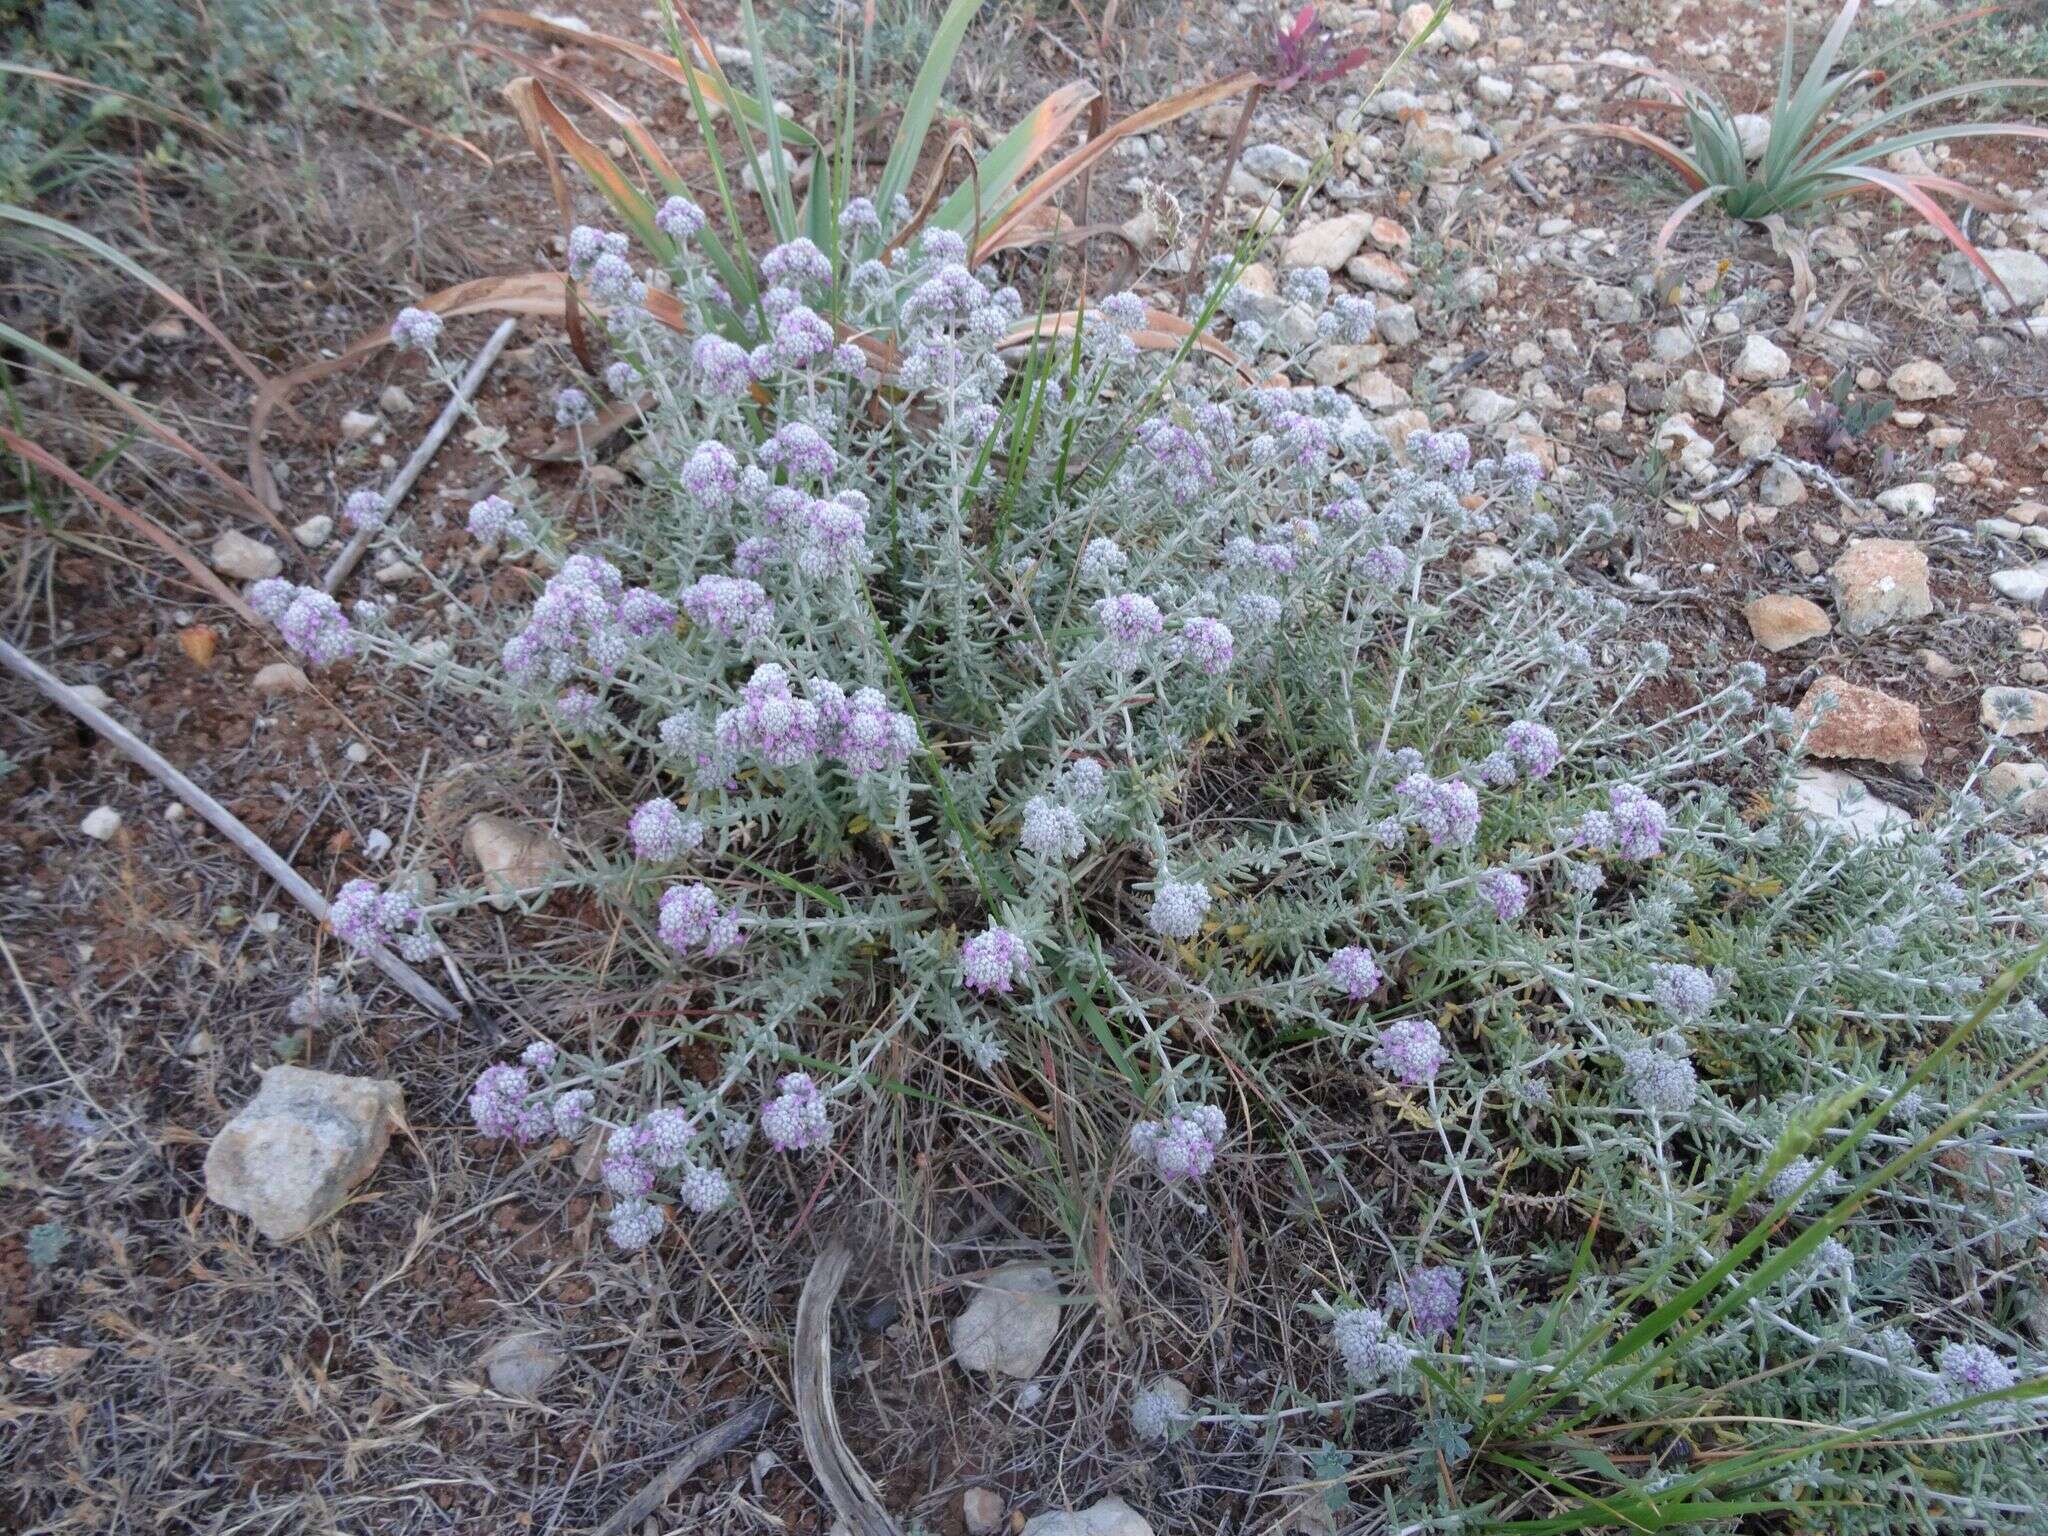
1412 1051
660 832
680 219
308 621
573 407
1446 809
365 917
1258 612
691 919
1351 320
1684 992
1431 1296
643 613
578 707
1660 1082
1083 780
587 243
1178 908
1640 823
1123 311
1444 452
415 330
663 1137
497 1101
795 1120
574 622
364 509
540 1056
755 556
771 722
571 1112
1534 746
1209 644
1497 770
831 535
626 1176
495 518
800 452
1371 1352
1102 560
633 1224
801 336
848 358
858 218
1384 565
1970 1369
712 476
1132 622
870 737
1504 891
703 1190
1051 831
612 281
797 262
1354 971
1183 1146
621 378
723 369
731 607
1180 455
994 960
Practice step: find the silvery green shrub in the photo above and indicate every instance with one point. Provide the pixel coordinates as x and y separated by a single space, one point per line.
942 707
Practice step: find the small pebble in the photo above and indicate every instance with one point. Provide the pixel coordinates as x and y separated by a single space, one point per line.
101 823
357 753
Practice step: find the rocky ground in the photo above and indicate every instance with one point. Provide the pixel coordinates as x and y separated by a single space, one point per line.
1845 485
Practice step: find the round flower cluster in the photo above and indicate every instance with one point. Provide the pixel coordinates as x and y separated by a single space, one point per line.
1178 908
1662 1083
1354 971
415 330
1970 1369
1182 1146
633 1224
307 619
503 1103
1051 831
586 617
863 732
1431 1296
994 960
1372 1355
795 1120
1506 892
660 831
1632 827
1684 992
691 919
1412 1050
365 917
1208 643
1447 810
731 607
494 518
1159 1409
1534 747
365 509
1132 621
770 722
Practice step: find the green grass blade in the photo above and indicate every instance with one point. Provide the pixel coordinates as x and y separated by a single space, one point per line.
775 189
923 103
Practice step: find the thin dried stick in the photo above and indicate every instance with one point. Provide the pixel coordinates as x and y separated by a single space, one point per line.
413 467
851 1490
223 821
716 1441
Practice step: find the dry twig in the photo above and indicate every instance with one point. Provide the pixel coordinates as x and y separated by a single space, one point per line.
851 1490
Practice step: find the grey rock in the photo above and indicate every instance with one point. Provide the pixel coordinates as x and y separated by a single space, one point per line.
288 1160
523 1364
1276 164
1009 1326
2023 272
237 555
1616 306
1107 1517
1841 804
2026 584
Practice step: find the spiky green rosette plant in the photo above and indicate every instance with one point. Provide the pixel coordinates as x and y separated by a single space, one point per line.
1829 138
